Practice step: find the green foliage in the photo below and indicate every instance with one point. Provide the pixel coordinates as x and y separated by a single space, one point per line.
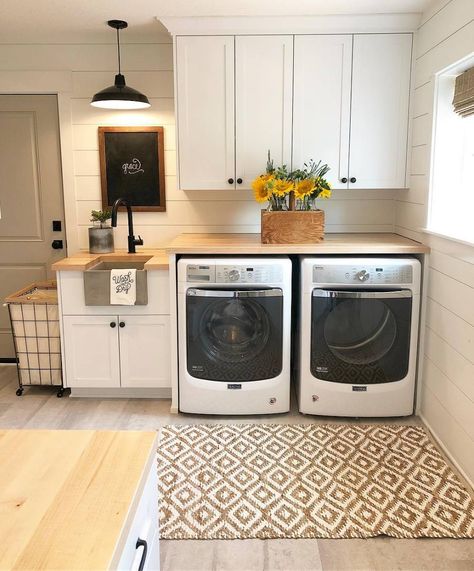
101 216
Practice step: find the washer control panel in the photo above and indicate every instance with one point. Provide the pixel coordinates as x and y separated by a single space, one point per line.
376 274
237 274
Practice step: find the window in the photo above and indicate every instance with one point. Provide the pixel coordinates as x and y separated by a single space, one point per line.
452 174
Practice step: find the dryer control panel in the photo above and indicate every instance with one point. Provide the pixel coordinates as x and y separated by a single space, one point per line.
233 274
356 274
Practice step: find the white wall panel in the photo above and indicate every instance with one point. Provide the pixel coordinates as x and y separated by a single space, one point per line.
445 36
450 362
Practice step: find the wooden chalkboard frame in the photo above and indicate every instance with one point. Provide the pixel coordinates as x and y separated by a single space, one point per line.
160 182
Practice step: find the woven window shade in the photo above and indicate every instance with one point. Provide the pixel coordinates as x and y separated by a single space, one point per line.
464 93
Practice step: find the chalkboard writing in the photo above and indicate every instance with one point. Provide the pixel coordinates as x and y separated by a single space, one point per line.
132 166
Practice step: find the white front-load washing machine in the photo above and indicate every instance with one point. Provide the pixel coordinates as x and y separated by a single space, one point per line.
234 334
358 333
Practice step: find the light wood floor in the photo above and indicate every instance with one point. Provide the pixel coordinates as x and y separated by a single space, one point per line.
40 408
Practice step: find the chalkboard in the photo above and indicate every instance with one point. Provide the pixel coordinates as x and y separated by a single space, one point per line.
132 167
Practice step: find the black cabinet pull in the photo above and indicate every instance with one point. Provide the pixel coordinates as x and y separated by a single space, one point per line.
353 179
344 180
230 181
113 324
239 181
142 543
122 324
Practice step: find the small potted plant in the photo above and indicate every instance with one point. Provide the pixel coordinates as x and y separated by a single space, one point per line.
101 237
292 215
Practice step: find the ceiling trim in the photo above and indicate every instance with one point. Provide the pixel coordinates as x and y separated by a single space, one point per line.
327 24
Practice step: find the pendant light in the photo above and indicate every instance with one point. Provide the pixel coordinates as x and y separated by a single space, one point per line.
119 95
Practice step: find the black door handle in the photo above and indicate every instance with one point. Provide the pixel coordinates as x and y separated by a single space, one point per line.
113 324
239 181
122 324
57 245
142 543
344 180
353 179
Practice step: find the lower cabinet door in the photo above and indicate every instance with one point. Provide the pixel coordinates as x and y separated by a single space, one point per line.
139 546
145 350
91 351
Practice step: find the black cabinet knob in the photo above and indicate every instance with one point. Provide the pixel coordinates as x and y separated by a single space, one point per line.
122 324
57 245
344 180
239 181
230 181
113 324
353 179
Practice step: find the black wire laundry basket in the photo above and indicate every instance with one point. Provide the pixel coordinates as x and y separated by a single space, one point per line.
34 317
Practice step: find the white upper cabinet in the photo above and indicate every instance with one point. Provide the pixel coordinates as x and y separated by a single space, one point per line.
205 96
342 99
263 103
379 115
322 103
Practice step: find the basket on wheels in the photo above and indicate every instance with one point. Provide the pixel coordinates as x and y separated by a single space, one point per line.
34 316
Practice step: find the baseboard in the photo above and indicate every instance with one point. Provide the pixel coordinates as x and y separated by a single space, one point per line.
446 451
7 361
128 393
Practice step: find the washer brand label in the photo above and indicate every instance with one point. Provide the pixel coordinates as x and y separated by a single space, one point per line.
359 389
198 368
234 387
322 369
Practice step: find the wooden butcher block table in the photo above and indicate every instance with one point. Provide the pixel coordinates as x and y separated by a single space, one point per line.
78 499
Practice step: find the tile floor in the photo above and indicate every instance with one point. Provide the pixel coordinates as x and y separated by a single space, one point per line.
40 408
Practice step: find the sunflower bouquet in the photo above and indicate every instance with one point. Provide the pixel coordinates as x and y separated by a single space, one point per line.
295 190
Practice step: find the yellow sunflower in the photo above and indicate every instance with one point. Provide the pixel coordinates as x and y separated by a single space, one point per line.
304 187
325 193
282 187
261 188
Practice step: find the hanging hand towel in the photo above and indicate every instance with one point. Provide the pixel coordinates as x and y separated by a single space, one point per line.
123 287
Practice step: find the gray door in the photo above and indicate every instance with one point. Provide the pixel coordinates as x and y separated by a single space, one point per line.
31 196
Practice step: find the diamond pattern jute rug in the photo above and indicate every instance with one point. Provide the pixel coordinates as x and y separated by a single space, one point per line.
305 481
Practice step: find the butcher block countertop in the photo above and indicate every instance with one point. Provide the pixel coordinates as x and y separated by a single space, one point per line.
83 260
332 244
65 495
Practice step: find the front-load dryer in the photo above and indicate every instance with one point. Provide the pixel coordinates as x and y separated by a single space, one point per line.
358 332
234 335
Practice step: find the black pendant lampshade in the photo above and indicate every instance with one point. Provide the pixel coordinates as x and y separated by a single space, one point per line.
119 95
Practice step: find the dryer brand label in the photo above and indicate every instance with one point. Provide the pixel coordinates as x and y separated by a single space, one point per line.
322 369
198 368
359 389
234 386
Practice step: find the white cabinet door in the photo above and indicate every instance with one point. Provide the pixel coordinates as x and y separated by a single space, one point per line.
145 350
263 103
205 102
379 116
322 103
91 351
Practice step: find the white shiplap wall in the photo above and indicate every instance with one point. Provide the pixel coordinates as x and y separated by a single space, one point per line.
93 68
447 399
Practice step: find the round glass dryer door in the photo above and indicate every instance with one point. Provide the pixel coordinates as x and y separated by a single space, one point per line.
234 335
360 337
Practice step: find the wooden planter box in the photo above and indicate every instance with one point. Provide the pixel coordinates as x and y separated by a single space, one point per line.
292 227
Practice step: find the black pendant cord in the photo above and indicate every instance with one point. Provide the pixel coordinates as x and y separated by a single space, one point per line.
118 50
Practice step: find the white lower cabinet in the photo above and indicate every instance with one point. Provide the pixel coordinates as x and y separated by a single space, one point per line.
139 549
91 351
106 351
144 350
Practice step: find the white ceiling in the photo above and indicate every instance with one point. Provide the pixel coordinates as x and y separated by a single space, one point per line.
31 21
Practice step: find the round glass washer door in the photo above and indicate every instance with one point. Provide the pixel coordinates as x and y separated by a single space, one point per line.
234 330
360 331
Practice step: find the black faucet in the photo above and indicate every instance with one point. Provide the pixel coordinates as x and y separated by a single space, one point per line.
132 241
